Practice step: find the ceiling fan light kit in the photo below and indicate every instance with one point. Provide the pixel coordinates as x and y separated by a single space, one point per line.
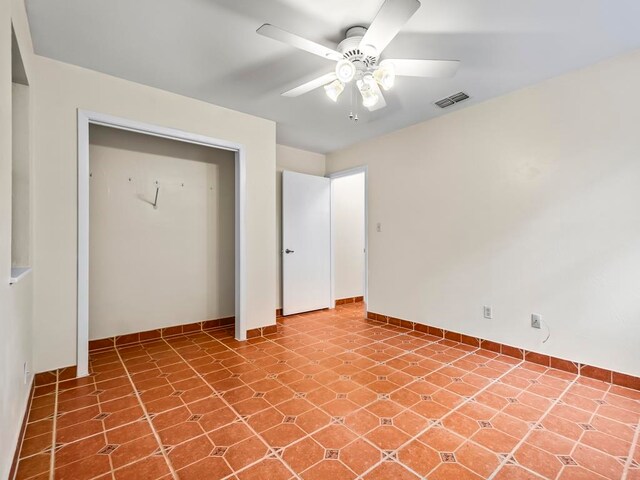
358 57
334 89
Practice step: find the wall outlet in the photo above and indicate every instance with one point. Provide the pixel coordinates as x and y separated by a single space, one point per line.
487 311
26 372
536 319
378 227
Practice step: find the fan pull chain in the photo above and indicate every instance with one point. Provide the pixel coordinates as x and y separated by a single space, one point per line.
353 116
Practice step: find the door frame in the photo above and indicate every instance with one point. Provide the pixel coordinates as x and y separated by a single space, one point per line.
347 173
87 118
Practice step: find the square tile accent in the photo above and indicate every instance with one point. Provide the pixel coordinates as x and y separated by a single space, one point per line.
300 395
194 418
426 398
258 395
484 424
386 421
49 449
383 396
101 416
536 426
566 460
448 457
507 458
341 396
512 400
586 426
108 450
275 452
389 455
177 393
337 420
331 454
218 451
289 419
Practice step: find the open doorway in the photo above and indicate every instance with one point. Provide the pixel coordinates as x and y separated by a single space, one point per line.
161 237
151 198
349 236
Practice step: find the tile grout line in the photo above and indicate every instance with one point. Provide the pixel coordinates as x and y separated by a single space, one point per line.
28 414
243 420
634 444
318 343
54 427
523 439
104 430
115 398
346 333
146 415
448 364
319 407
578 440
477 349
429 427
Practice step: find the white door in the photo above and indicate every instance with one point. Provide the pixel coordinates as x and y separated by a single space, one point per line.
306 242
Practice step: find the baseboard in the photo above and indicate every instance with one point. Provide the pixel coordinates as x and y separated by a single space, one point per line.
345 301
23 428
262 331
597 373
158 333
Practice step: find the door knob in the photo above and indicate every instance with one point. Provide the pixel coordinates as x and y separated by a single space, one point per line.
288 251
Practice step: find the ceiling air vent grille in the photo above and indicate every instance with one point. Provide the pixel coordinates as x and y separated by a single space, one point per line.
452 100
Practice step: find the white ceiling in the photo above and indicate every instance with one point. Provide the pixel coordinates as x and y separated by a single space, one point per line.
208 49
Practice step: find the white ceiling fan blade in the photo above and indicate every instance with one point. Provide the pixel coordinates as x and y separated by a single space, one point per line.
312 85
381 101
296 41
424 68
389 20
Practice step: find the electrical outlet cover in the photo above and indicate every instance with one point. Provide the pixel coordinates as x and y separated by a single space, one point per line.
536 319
487 311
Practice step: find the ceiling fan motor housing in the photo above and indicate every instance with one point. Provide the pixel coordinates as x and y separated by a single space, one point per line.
350 49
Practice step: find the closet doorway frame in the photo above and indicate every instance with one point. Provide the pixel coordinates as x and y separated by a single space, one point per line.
87 118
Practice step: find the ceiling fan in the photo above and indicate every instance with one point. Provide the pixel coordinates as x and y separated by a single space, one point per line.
358 57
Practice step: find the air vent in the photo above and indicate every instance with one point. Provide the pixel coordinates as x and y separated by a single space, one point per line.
452 100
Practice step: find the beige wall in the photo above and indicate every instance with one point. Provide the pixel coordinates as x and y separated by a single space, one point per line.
15 300
294 160
175 264
528 203
347 196
59 90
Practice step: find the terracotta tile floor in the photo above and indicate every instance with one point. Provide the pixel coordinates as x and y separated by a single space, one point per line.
331 396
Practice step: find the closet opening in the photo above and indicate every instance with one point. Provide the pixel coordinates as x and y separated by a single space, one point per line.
160 234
